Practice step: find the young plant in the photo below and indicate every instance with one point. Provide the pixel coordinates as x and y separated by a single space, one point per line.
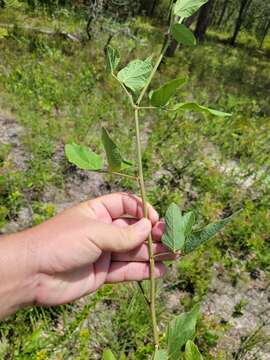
180 236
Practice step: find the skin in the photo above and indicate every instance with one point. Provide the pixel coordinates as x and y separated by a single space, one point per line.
77 251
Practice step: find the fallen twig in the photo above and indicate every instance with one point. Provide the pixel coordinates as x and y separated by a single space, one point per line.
44 31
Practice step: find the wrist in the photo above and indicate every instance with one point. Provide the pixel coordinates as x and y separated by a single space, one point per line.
18 273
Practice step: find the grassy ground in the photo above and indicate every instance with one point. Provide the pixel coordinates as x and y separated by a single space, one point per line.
59 92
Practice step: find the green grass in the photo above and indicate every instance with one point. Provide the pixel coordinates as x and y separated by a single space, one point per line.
59 92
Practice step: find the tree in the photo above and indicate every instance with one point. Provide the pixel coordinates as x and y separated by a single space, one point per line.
223 11
265 32
174 44
204 20
243 9
149 6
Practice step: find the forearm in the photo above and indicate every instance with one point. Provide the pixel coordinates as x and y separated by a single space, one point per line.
17 273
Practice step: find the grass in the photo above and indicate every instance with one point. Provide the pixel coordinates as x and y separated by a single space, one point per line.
59 92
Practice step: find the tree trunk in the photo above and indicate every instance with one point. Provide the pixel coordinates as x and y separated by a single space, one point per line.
172 48
221 17
204 20
244 6
174 44
149 6
266 29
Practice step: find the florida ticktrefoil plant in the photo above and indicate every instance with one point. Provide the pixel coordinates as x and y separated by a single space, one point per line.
180 236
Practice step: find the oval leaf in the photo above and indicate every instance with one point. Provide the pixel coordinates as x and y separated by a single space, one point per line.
177 228
136 74
180 330
186 8
192 352
108 355
174 237
112 152
162 95
83 157
112 58
183 35
200 237
192 106
187 223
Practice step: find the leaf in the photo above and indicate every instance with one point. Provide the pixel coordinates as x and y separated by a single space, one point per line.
200 237
108 355
112 58
183 35
83 157
162 95
136 74
185 8
177 228
187 223
180 330
161 355
3 33
174 237
113 154
114 157
192 106
126 164
192 352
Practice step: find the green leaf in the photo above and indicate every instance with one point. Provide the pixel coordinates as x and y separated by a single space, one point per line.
186 8
136 74
126 164
192 106
108 355
192 352
177 228
112 58
114 157
162 95
187 222
161 355
183 35
200 237
83 157
180 330
3 33
174 237
113 154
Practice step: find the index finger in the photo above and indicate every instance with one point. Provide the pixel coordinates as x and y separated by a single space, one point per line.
112 206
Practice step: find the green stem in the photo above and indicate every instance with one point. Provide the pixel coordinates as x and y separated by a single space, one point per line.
143 194
125 90
117 173
150 242
153 73
163 52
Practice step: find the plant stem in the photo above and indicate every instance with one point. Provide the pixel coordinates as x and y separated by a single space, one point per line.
150 242
118 174
143 194
125 90
153 73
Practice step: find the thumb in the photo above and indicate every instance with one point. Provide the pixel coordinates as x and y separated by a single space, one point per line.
114 238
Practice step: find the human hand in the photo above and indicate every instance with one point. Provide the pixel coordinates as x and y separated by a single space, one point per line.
84 247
